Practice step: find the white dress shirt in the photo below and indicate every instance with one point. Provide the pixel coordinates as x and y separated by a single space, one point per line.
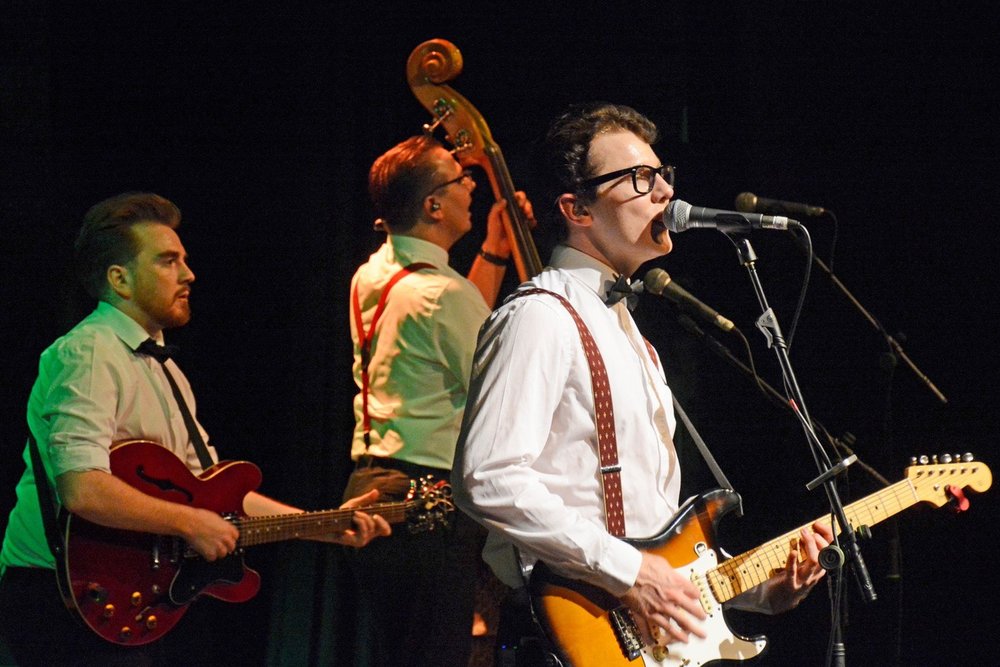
421 354
527 464
93 390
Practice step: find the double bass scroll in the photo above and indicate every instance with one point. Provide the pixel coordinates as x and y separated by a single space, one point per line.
429 67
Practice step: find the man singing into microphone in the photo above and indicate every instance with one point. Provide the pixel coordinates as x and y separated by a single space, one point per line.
533 461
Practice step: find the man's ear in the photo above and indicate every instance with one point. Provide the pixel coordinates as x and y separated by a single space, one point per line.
573 210
119 280
432 209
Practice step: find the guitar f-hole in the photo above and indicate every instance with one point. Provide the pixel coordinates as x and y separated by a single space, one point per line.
162 484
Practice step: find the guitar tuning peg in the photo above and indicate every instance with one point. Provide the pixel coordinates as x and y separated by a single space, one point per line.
946 458
956 498
967 457
924 459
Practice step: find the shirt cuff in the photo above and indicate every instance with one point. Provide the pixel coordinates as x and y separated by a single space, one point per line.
622 567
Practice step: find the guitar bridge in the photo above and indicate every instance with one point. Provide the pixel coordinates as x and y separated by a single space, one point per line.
626 632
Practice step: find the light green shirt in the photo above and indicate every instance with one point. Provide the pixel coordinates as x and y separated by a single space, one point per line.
93 390
421 353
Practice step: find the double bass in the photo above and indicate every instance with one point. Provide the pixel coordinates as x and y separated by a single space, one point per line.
428 69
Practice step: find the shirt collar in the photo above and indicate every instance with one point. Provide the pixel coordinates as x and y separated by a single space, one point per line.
410 249
128 330
594 273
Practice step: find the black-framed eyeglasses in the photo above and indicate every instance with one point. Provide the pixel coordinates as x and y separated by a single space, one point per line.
461 178
643 177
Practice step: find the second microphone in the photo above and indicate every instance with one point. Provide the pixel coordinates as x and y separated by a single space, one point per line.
658 282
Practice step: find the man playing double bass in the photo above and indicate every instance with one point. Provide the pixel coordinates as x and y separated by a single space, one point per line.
414 321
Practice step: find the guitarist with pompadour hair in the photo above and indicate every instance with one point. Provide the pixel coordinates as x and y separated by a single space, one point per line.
108 380
561 454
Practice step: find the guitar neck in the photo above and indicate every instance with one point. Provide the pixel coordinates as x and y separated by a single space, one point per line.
256 530
753 567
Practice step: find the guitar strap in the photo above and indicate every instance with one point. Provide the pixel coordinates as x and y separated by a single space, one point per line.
51 520
720 477
365 338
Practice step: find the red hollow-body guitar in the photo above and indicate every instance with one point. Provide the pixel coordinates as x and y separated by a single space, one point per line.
131 588
589 627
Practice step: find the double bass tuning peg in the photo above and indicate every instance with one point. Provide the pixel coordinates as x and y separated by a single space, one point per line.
442 110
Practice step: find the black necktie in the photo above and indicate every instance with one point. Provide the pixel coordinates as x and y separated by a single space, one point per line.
623 289
161 353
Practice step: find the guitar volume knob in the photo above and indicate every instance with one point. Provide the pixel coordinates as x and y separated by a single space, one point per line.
96 592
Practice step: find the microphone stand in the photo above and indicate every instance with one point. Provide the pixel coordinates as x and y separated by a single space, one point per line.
845 547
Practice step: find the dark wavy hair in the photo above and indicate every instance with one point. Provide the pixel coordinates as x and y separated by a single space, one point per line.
566 149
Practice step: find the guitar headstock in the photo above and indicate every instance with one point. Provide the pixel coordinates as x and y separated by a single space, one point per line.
432 504
933 478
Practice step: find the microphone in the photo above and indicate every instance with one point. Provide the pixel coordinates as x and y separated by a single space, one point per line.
748 202
659 282
680 216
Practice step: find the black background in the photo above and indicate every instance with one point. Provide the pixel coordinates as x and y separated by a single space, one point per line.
260 122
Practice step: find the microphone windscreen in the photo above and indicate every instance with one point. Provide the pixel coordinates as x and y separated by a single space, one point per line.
746 202
656 281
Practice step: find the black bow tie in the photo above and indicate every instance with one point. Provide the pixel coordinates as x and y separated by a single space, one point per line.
159 352
622 288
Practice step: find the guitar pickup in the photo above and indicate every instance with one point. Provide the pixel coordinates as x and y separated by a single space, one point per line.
705 593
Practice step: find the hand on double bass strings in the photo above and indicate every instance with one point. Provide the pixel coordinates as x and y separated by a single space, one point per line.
664 598
498 221
488 269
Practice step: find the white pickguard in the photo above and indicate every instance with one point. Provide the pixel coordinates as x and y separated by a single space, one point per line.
720 642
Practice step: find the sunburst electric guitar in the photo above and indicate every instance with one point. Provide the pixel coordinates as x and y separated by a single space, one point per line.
131 588
590 627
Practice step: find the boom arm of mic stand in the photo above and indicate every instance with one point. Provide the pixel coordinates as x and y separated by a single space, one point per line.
721 350
892 342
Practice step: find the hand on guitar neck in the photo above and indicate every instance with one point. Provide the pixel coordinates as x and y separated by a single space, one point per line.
366 526
790 585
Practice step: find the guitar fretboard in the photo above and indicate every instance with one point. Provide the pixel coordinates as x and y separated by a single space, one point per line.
753 567
266 529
